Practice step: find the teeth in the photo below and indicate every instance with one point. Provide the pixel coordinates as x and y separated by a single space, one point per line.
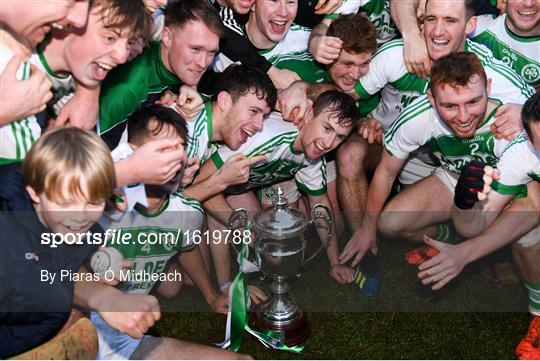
105 66
57 26
527 12
440 42
280 23
319 148
466 125
249 133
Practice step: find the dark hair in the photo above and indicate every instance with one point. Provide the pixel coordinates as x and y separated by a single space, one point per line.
470 7
356 31
340 105
182 11
239 80
138 122
128 15
530 113
456 69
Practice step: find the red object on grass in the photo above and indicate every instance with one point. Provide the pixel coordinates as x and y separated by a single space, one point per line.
420 255
529 347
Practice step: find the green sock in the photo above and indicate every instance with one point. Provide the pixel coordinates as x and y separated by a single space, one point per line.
445 234
534 297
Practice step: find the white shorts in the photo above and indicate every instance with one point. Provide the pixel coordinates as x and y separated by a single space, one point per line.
290 189
113 344
448 178
419 166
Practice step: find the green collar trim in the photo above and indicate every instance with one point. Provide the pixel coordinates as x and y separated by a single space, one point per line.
44 62
162 71
488 118
149 214
522 39
209 121
291 146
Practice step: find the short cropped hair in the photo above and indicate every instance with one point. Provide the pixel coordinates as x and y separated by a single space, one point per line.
339 105
470 7
182 11
356 31
129 15
456 70
70 157
138 123
530 113
239 80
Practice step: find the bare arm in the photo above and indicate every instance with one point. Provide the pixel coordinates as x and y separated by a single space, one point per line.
404 13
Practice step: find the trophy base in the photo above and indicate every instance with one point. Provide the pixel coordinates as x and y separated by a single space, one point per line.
291 334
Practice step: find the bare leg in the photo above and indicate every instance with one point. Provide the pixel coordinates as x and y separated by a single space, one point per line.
170 289
415 211
163 348
353 158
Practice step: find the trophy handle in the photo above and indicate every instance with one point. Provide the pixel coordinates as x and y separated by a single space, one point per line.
317 214
238 219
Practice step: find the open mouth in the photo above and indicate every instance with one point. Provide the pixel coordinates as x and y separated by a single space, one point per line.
57 26
439 43
278 26
319 147
248 132
465 127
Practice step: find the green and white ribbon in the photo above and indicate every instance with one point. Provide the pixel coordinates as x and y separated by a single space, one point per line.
238 309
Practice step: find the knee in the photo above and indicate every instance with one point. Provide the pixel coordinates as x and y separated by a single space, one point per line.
351 157
389 225
169 289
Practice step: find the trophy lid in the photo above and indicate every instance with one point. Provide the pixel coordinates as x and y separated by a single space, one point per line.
280 221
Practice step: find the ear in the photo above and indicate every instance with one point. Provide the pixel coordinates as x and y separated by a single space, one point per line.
133 146
471 25
224 101
430 97
33 194
488 86
166 38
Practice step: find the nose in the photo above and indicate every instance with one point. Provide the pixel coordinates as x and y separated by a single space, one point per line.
356 73
529 3
259 122
282 9
78 14
121 52
463 114
329 140
201 60
439 28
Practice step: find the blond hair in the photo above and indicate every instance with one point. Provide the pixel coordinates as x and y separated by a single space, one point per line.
70 156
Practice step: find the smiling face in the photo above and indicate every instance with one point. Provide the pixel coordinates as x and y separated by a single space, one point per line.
70 214
524 17
322 134
188 50
348 68
445 27
241 118
461 108
91 55
270 20
240 6
33 21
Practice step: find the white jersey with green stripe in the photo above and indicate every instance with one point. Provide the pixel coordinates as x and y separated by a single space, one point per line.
520 162
276 141
387 72
294 41
153 238
17 137
200 135
377 11
420 124
520 53
63 87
